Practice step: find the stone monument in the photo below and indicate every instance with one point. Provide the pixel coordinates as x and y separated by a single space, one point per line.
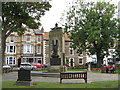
24 78
56 50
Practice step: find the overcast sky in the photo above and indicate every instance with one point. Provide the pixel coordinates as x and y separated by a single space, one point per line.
55 13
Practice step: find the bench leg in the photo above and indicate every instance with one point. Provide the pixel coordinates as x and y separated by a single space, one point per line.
60 81
85 80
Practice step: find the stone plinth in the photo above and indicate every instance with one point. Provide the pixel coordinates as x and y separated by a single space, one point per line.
57 69
23 83
24 78
24 75
55 61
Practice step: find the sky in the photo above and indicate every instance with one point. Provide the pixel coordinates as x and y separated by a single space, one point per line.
53 16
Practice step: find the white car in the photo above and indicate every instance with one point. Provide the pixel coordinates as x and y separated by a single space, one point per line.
27 66
6 66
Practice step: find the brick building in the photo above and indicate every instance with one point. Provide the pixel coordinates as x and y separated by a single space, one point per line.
24 48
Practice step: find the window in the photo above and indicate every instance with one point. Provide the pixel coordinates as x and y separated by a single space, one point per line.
28 30
71 44
93 59
110 60
11 49
10 60
38 38
11 39
80 61
71 51
39 49
28 49
28 38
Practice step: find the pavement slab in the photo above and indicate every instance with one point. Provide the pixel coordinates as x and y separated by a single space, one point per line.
92 77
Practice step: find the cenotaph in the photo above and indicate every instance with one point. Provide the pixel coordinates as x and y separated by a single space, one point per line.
56 50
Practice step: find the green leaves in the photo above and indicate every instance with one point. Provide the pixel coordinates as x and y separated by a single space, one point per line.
14 14
92 26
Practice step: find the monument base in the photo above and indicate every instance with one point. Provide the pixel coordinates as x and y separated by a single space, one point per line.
24 83
57 69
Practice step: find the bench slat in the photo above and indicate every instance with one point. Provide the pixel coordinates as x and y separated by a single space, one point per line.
73 75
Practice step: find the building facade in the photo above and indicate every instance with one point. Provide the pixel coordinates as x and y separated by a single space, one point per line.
24 48
33 46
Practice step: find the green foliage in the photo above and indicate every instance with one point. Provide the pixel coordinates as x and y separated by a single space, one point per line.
92 27
101 84
14 14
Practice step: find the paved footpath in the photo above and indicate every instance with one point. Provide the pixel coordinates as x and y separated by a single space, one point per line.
92 77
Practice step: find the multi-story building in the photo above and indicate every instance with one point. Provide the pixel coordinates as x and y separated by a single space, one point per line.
33 46
24 48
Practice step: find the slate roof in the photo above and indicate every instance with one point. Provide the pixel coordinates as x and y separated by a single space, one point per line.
37 31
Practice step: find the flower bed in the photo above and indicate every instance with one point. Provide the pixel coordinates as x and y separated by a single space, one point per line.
96 69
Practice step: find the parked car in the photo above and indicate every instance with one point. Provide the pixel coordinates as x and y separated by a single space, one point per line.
118 63
38 65
27 66
6 66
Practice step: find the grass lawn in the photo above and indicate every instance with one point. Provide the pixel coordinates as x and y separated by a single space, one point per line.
100 84
77 70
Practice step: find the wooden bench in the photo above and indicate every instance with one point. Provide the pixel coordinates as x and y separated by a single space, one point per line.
73 75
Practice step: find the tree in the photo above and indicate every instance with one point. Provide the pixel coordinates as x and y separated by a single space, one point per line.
92 27
15 14
118 40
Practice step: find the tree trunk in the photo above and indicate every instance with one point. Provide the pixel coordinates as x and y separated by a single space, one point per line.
3 48
1 37
98 58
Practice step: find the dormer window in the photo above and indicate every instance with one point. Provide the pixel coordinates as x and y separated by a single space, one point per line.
11 39
28 30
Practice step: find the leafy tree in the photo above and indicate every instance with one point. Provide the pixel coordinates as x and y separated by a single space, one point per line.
92 27
118 40
15 14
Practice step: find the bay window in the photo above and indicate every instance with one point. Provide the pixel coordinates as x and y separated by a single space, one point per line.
11 49
28 49
10 60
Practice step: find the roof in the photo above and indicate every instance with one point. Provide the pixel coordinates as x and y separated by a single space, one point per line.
37 31
46 36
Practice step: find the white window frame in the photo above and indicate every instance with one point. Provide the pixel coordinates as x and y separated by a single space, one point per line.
72 51
10 39
38 49
8 51
27 38
25 48
70 62
94 59
13 60
79 60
